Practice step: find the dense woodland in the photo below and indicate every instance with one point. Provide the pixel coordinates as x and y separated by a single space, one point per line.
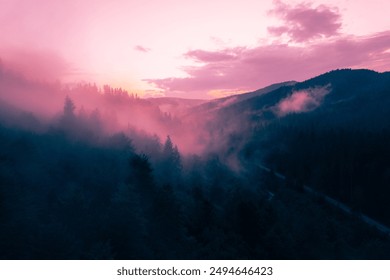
342 148
71 190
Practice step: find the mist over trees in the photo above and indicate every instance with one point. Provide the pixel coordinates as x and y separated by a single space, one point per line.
107 175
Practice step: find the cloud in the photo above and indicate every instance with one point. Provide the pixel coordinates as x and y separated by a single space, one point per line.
301 101
303 22
243 69
45 66
141 49
209 56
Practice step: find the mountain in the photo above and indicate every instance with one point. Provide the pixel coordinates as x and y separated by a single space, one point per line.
330 132
337 142
173 105
354 94
227 101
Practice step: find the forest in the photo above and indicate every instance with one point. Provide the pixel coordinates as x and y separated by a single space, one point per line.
114 176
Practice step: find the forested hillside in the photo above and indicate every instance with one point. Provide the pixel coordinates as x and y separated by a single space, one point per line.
79 185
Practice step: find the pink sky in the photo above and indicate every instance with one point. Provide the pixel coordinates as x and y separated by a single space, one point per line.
191 49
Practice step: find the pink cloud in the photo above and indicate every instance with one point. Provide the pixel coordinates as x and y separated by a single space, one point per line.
303 22
240 69
37 65
209 56
141 49
301 101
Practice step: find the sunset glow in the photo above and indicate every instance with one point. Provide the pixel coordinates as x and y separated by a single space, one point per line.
194 130
191 49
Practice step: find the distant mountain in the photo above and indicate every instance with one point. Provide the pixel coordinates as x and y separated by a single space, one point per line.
176 101
174 105
350 93
227 101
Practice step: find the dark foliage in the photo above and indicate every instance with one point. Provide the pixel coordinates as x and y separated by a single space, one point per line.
73 192
72 200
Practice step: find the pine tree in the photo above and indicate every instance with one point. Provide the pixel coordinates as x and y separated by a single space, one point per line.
171 163
68 120
69 108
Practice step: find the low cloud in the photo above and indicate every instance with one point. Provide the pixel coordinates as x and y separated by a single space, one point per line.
301 101
304 22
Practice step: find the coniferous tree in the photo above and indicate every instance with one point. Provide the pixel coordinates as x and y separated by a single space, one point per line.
171 163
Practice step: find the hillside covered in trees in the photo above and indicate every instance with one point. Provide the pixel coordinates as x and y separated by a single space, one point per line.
114 176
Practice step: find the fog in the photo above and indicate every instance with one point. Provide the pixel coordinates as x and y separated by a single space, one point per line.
95 172
105 110
302 101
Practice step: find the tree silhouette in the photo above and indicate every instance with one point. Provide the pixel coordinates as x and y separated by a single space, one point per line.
68 119
171 164
69 108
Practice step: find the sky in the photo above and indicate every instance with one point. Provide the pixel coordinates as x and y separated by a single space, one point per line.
191 49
